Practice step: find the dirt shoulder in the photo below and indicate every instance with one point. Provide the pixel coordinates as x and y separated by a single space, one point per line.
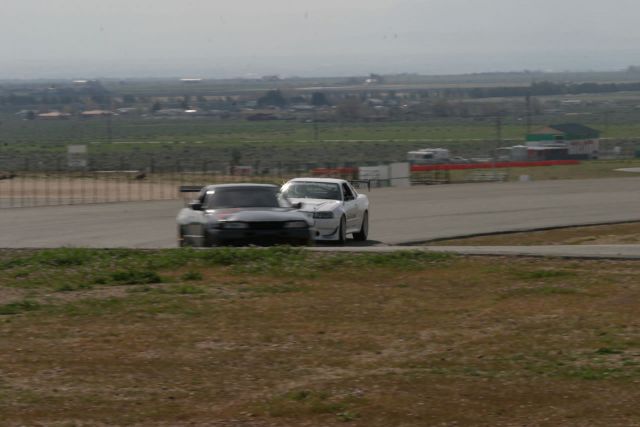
627 233
285 337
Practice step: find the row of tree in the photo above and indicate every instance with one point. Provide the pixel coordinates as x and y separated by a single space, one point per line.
96 94
349 105
544 88
275 98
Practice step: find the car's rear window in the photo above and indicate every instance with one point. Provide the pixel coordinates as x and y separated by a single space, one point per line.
243 198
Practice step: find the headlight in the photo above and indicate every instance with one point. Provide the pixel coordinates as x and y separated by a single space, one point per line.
323 215
235 225
296 224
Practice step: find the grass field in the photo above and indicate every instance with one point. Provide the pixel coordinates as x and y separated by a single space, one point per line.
193 144
188 143
41 134
37 132
283 337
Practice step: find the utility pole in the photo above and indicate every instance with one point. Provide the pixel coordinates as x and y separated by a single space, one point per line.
316 131
528 113
109 124
498 141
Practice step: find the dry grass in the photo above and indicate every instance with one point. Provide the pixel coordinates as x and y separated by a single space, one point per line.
591 235
585 170
254 340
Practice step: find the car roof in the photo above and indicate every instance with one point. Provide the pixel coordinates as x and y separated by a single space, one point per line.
240 185
327 180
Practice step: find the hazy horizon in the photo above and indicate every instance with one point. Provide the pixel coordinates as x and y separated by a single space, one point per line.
198 38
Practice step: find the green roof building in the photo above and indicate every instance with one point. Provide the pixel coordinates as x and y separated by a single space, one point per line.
582 142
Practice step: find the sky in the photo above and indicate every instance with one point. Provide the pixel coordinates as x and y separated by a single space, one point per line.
244 38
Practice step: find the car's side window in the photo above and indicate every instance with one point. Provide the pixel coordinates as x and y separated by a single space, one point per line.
205 196
348 194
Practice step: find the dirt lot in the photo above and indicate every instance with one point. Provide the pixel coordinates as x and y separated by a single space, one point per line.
283 337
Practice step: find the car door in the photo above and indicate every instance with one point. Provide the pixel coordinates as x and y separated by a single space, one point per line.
350 207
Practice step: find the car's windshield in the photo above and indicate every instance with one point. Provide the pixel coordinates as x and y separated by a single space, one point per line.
244 198
312 190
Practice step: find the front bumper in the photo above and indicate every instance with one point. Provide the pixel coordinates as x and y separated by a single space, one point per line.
260 237
326 229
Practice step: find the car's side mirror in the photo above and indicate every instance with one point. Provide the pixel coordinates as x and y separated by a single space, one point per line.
297 205
195 205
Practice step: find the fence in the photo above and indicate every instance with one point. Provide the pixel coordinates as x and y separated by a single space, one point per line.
41 187
35 185
475 172
29 189
492 165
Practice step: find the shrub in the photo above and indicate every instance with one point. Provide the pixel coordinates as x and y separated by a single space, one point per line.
135 277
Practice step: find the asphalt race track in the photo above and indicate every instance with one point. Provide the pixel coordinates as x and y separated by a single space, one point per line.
398 215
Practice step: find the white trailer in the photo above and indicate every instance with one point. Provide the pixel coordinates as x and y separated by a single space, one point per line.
427 156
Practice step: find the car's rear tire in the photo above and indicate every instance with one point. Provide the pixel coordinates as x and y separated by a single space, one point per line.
363 234
182 243
342 231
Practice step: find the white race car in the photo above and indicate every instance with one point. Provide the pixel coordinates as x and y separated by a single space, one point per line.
335 206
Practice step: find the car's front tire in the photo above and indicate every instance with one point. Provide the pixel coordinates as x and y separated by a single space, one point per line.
195 242
363 234
342 231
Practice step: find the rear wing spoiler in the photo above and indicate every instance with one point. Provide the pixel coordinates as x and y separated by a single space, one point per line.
190 188
361 183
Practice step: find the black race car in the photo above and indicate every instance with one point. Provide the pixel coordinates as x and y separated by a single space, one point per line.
240 214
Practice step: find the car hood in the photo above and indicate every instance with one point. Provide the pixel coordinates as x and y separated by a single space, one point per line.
255 215
314 205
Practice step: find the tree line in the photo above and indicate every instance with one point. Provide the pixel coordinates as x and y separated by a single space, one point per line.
95 94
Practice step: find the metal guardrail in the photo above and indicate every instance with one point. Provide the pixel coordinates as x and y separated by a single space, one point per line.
434 177
487 176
